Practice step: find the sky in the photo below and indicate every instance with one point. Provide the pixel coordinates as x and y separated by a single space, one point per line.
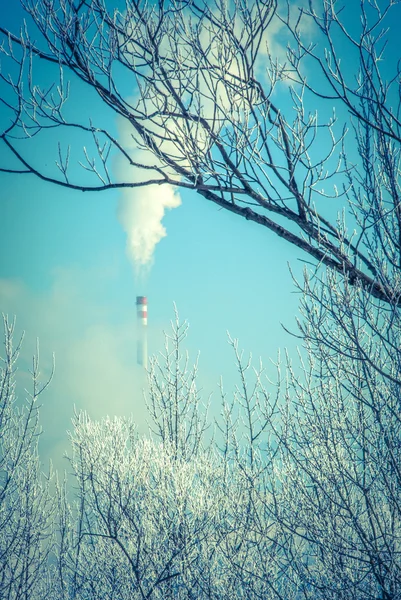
67 276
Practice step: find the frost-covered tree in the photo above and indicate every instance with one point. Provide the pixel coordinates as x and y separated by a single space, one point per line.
148 521
26 506
178 417
296 495
336 486
170 516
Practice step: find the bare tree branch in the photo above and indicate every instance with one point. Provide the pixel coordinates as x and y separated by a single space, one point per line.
211 109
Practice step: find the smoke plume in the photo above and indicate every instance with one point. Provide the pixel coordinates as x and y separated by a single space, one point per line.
140 212
141 209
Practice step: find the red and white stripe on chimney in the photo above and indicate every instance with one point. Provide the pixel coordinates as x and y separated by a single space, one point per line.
142 310
142 334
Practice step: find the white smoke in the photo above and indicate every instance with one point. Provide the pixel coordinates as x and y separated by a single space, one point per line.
141 209
140 212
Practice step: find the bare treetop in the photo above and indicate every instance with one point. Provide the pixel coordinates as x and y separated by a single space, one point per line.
203 101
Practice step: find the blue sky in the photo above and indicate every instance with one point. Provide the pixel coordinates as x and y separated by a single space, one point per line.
65 273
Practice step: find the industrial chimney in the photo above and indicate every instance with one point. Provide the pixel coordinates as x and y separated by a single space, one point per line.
142 335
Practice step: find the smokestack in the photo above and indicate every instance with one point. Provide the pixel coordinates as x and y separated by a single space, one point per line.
142 335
